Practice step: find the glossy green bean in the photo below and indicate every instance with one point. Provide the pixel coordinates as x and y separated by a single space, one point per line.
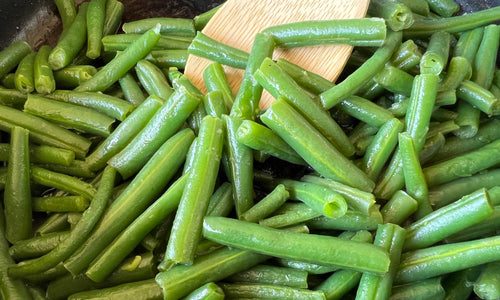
468 43
221 203
356 79
425 27
42 72
399 208
123 134
207 47
54 223
348 254
438 260
113 19
72 76
477 96
242 291
301 136
133 200
140 290
390 237
24 77
122 63
153 80
131 90
208 291
77 168
214 104
12 98
290 215
69 115
279 84
425 289
352 220
487 285
459 69
96 16
67 12
12 55
17 193
267 205
268 274
71 42
36 246
202 19
215 80
435 57
457 285
397 15
170 58
168 26
60 203
164 123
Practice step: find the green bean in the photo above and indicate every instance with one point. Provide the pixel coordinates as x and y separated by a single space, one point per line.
425 27
8 81
96 16
221 203
71 42
168 26
153 80
420 7
112 21
390 237
480 98
120 42
258 238
64 286
243 291
246 104
487 227
436 56
267 205
206 47
397 15
459 69
465 212
169 58
416 185
77 235
17 194
291 215
378 152
69 115
214 104
339 283
279 84
12 98
306 140
36 246
42 72
60 203
468 120
164 123
219 264
111 106
208 291
267 274
462 166
240 159
12 55
468 43
131 90
62 181
54 223
10 288
425 289
201 20
215 79
72 76
77 168
458 286
24 78
123 245
132 201
356 199
368 32
437 260
123 134
140 290
320 198
67 12
261 138
443 128
444 8
484 63
407 56
352 220
186 230
398 208
356 79
122 63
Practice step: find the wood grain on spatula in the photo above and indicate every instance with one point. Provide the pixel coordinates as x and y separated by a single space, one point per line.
237 22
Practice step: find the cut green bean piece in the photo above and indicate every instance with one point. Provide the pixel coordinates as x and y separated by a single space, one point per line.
153 80
215 79
122 63
67 12
96 16
258 238
267 274
24 79
458 285
209 48
352 220
425 289
54 223
290 215
131 90
487 285
208 291
267 205
12 55
42 72
60 203
168 26
69 115
435 57
140 290
114 12
17 194
398 208
72 76
306 140
37 246
397 15
242 291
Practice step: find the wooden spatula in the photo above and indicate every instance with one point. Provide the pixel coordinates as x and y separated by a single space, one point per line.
237 22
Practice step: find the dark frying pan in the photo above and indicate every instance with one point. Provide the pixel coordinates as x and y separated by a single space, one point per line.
37 22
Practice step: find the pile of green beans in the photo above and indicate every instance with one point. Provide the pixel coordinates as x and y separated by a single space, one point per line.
120 179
